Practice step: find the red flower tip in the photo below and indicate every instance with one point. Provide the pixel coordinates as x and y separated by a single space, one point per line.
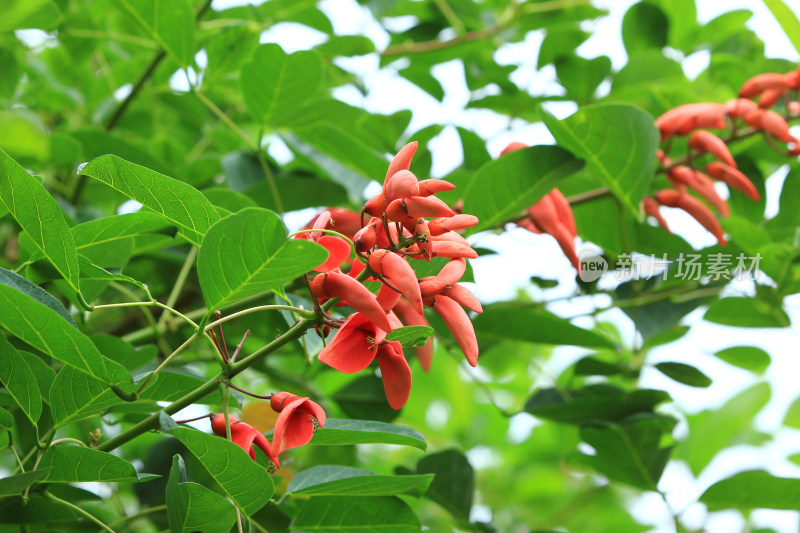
244 435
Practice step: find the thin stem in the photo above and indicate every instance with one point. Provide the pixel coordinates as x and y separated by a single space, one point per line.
239 346
138 515
14 451
78 510
151 422
165 362
450 15
195 419
179 283
69 439
254 395
302 312
175 312
227 120
273 185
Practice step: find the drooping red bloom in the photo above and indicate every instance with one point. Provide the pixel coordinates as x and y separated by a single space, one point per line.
357 343
354 346
244 435
298 419
338 249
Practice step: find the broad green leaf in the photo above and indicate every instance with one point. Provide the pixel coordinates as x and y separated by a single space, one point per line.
21 284
502 188
75 395
298 192
792 417
345 480
618 143
6 419
787 19
40 216
632 451
227 50
47 331
275 85
99 239
169 23
123 352
593 402
747 357
364 398
715 429
531 324
181 204
23 134
228 199
332 514
755 489
747 313
236 261
340 432
17 484
25 14
18 379
454 481
70 464
580 76
346 45
644 26
410 335
91 271
247 483
192 507
683 373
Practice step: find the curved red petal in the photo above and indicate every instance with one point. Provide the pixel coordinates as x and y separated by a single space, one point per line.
395 373
338 252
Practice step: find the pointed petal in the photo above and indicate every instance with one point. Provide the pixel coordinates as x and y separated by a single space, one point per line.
453 271
733 178
401 185
705 141
356 295
350 350
459 325
395 373
402 161
338 252
463 296
564 211
399 273
452 249
411 318
262 442
433 186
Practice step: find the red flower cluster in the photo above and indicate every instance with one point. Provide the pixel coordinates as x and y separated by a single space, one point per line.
407 222
771 88
552 215
297 421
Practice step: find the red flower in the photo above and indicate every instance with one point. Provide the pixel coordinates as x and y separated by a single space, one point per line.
357 343
244 435
297 421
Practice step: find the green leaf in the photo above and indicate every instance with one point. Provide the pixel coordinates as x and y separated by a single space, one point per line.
91 271
24 134
453 486
235 261
632 451
170 24
47 331
181 204
70 464
747 357
18 379
792 417
24 286
346 432
364 398
531 324
686 374
275 85
24 14
747 313
410 335
618 143
755 489
787 18
345 480
340 514
192 507
6 419
17 484
580 76
247 483
715 429
644 26
40 216
593 402
346 45
500 189
99 240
